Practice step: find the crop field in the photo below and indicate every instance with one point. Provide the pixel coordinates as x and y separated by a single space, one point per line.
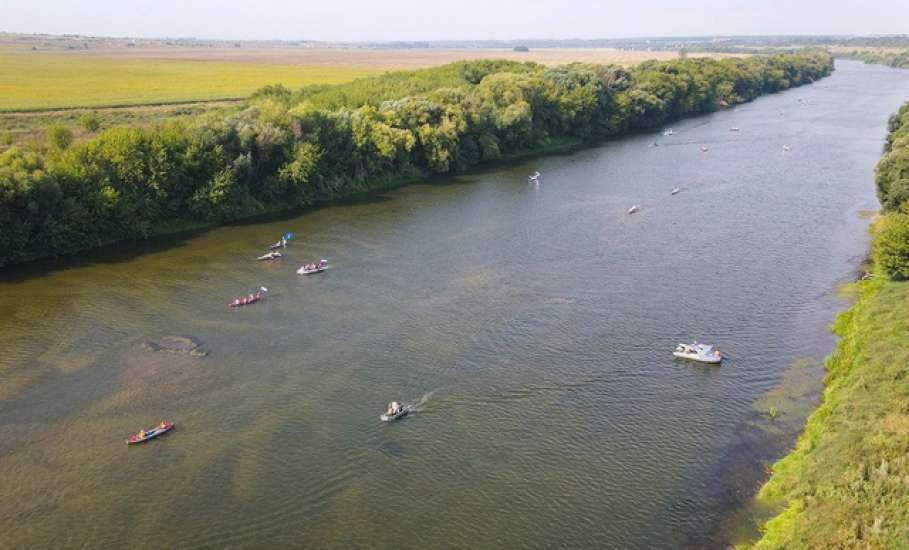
31 80
44 81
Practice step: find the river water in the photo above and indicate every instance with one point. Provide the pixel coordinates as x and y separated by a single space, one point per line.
533 324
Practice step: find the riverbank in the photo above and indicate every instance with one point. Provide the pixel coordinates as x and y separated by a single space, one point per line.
846 484
286 150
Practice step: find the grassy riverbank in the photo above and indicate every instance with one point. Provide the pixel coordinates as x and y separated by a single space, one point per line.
846 484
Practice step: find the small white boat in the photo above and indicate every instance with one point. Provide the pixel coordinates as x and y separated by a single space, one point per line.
704 149
786 148
734 129
668 132
270 256
675 191
534 177
703 353
634 209
395 411
309 269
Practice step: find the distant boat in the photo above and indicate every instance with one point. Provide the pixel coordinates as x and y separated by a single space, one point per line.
151 433
270 256
786 148
534 178
309 269
675 190
250 299
668 132
698 352
704 149
634 209
734 129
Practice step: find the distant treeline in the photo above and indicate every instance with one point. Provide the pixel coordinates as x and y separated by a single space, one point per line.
898 59
287 149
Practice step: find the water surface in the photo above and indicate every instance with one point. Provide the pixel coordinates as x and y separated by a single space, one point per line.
534 323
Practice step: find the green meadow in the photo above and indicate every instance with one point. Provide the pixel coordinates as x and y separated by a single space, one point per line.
31 81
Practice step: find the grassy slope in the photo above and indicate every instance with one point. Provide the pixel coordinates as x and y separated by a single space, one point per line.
40 81
846 485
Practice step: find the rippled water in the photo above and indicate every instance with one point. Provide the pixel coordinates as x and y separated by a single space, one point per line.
535 323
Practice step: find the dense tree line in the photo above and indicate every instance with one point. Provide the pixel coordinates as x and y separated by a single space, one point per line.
891 240
898 59
286 149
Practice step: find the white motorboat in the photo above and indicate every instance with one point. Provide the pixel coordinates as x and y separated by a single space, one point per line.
634 209
734 129
668 132
786 148
309 269
704 149
703 353
676 191
395 411
535 177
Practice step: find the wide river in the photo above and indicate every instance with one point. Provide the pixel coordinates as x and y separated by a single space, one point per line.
533 325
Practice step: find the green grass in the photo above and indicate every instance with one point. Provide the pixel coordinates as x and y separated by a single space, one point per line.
846 484
45 81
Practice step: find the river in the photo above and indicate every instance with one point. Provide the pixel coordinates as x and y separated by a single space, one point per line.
533 324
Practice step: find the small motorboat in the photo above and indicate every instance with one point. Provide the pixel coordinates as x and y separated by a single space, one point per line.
786 148
734 129
675 191
145 435
395 411
282 242
250 299
704 149
634 209
703 353
270 256
668 132
534 178
309 269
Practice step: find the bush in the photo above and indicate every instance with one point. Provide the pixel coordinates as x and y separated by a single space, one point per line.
90 122
891 244
59 137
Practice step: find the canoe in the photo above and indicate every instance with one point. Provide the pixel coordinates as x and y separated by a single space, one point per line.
270 256
150 434
246 300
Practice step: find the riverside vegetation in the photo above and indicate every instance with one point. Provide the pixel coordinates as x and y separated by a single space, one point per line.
846 484
285 149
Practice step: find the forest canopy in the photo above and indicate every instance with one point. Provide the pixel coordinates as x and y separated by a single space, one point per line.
291 148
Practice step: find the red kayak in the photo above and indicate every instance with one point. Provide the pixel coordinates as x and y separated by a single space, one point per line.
251 299
145 435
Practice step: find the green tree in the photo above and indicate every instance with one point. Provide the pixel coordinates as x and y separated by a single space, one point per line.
891 244
90 122
59 137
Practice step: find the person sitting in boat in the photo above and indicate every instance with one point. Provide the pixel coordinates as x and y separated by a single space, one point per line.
162 425
142 434
394 408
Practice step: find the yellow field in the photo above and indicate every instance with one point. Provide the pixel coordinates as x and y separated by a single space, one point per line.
148 75
40 81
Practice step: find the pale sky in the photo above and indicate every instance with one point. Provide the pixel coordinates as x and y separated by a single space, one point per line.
385 20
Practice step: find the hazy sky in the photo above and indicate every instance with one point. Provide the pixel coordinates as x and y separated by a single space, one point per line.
353 20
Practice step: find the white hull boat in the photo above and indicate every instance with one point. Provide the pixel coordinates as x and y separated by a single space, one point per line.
634 209
313 268
702 353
